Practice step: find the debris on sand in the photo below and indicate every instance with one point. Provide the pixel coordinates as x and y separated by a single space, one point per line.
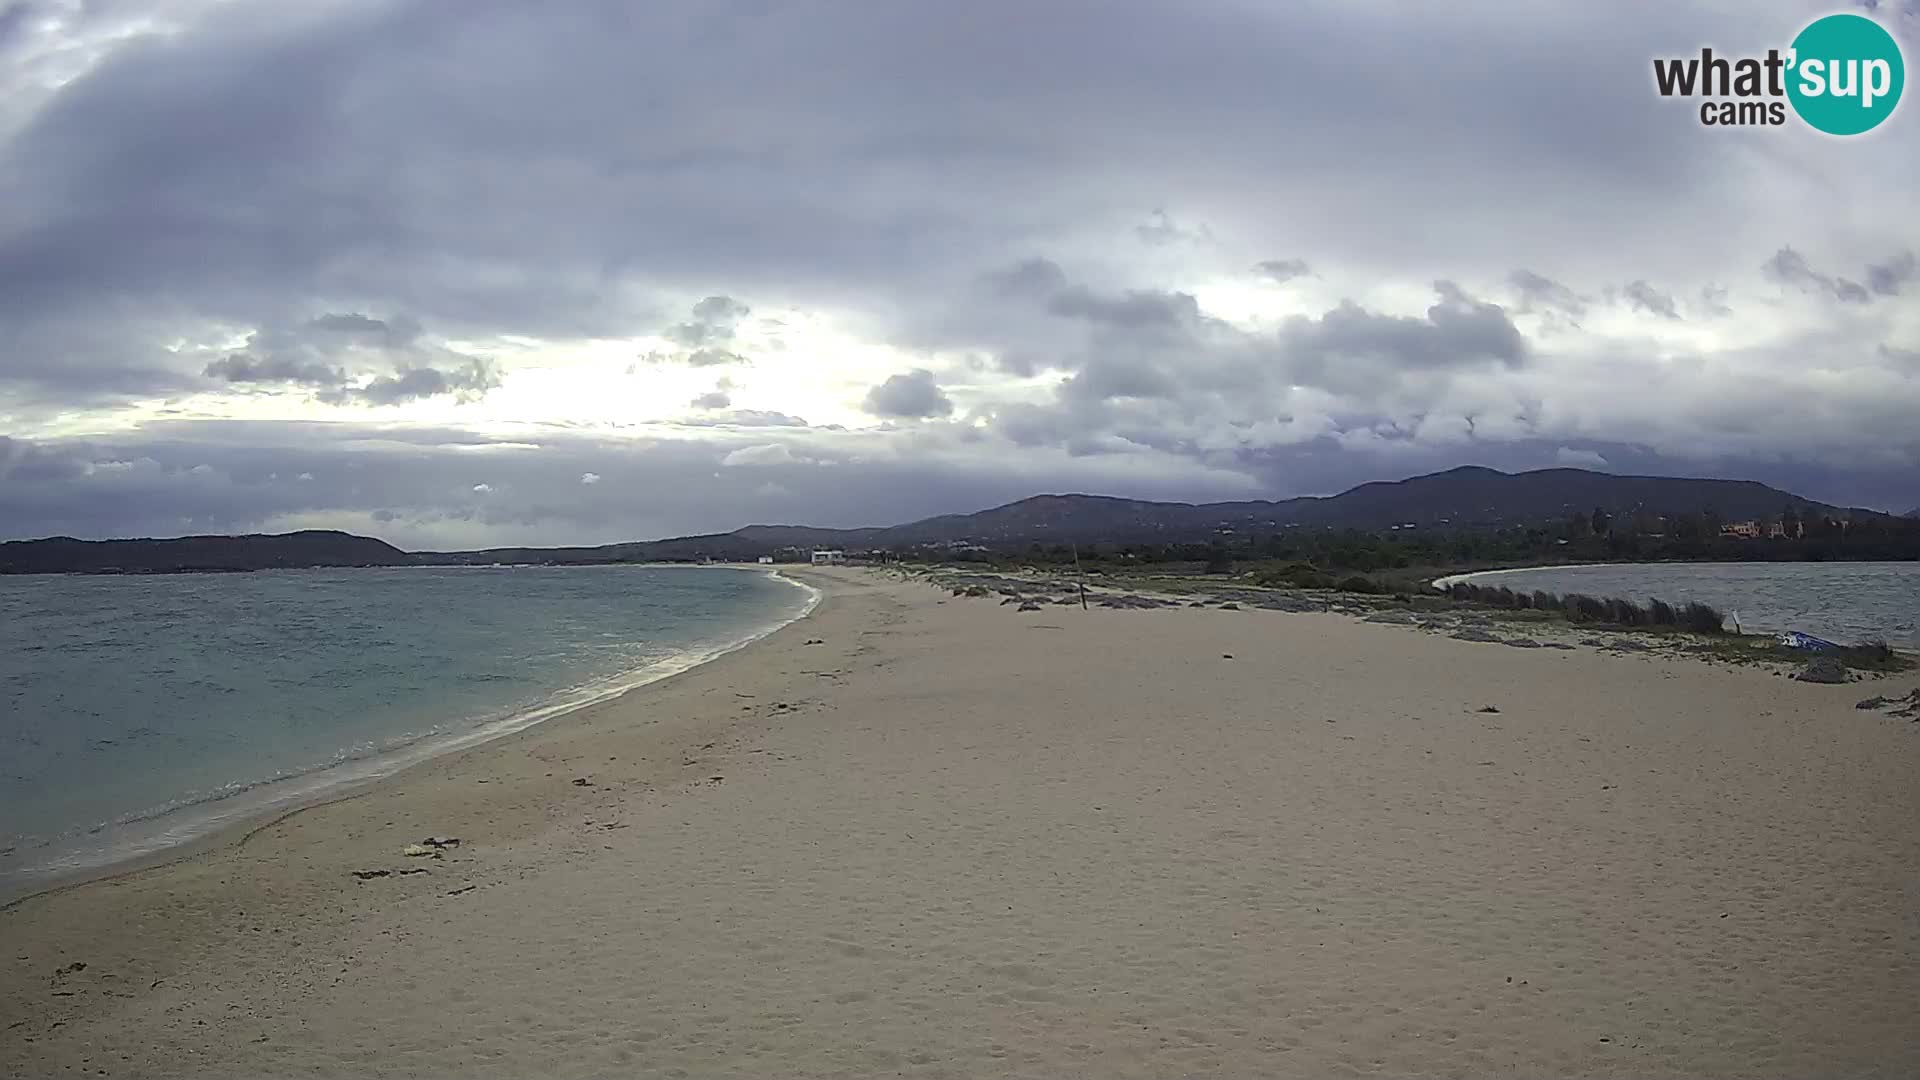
1027 605
369 875
1472 633
1824 669
1488 709
1907 708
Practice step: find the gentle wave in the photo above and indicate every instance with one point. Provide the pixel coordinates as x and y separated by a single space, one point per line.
194 815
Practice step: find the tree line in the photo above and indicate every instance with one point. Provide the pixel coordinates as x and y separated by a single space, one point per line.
1598 536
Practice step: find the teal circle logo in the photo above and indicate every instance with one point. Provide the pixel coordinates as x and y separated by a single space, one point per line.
1845 74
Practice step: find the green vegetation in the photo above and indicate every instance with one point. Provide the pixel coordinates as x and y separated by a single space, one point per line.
1397 557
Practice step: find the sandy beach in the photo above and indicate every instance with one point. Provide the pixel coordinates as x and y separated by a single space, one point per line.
920 835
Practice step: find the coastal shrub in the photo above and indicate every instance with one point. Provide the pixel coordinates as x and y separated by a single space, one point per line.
1703 618
1359 583
1294 575
1873 654
1625 613
1581 608
1584 608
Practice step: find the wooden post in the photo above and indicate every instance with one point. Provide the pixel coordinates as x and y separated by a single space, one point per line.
1077 572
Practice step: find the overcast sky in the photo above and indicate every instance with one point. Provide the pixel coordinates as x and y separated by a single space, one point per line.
496 272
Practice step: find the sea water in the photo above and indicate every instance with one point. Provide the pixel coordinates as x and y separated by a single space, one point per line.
1841 601
139 712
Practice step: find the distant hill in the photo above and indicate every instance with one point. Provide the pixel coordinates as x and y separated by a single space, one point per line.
1465 498
187 554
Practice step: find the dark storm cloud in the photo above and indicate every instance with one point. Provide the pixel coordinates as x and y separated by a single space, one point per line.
503 170
912 395
556 157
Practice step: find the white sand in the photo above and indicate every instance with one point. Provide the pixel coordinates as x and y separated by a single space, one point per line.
1053 844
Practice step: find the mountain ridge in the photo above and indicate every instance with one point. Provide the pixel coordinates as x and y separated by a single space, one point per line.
1465 497
1468 496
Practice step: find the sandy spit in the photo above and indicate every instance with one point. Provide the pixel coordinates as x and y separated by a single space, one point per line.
951 839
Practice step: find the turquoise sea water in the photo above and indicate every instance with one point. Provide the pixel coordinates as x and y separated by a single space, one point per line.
140 712
1841 601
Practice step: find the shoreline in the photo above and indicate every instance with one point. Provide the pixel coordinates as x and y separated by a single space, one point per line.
922 834
156 839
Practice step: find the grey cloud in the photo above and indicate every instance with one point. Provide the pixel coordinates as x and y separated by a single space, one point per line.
1887 278
397 333
1458 329
1136 309
1540 292
912 395
1120 377
1789 267
1028 278
715 399
247 368
751 418
706 338
588 177
1281 271
469 380
355 359
712 358
1644 297
714 322
585 194
1160 230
